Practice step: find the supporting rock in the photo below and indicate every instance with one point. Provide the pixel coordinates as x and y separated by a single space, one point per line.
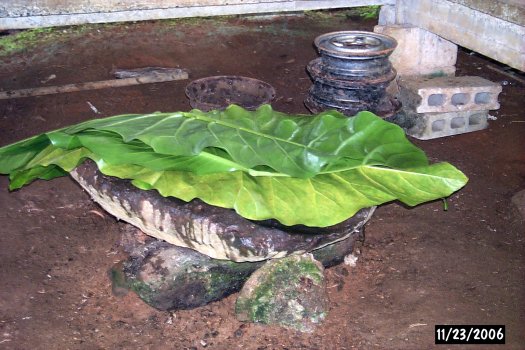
168 277
289 292
444 106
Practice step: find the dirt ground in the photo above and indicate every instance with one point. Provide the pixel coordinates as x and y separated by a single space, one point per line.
418 267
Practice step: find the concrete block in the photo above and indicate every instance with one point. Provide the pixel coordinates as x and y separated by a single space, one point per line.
420 52
448 94
426 126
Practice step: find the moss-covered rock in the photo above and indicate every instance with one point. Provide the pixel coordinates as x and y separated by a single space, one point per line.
168 277
289 292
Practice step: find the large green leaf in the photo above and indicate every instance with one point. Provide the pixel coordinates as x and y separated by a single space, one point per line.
323 200
15 156
49 163
111 147
300 146
235 139
23 177
311 170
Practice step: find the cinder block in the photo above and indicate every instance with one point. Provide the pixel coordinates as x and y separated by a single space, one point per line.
420 52
426 126
448 94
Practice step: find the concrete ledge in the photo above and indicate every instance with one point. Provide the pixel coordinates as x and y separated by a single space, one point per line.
508 10
33 20
489 35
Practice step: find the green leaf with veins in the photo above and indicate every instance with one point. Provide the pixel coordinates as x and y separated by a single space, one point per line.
311 170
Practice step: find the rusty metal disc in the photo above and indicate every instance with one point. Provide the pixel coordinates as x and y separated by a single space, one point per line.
218 92
355 44
350 78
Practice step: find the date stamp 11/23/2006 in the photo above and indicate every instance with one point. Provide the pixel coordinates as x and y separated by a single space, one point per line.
469 334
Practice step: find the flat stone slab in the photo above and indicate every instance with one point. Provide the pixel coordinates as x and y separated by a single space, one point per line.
216 232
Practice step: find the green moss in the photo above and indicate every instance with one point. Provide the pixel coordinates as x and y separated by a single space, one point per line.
143 290
365 12
118 279
28 39
283 277
232 276
262 305
196 21
258 307
291 268
437 74
23 40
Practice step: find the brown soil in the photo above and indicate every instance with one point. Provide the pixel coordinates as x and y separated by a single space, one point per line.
418 266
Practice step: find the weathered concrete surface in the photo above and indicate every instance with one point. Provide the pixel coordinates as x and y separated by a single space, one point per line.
168 277
22 8
289 292
469 24
508 10
420 52
19 14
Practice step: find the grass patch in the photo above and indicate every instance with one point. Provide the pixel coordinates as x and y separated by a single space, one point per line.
22 40
362 12
27 39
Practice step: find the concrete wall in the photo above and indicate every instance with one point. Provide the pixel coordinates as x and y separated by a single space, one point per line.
23 8
19 14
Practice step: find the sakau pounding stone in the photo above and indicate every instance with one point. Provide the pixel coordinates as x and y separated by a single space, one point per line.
216 232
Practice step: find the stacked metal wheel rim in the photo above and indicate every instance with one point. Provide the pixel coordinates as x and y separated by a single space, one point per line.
352 73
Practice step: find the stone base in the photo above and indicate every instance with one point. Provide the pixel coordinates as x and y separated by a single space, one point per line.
168 277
